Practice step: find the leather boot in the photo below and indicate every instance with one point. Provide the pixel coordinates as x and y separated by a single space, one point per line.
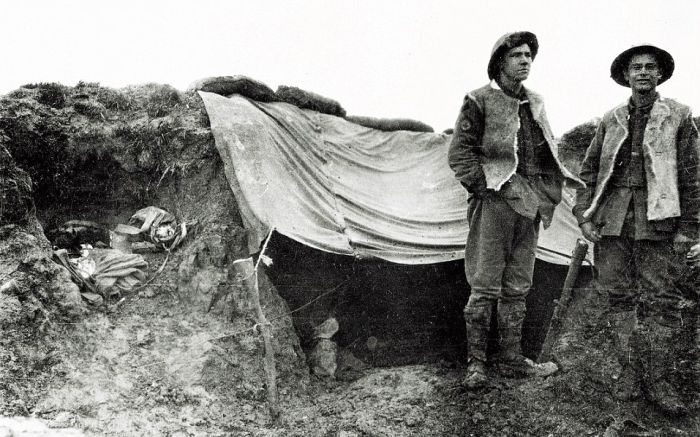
628 384
655 341
510 361
478 320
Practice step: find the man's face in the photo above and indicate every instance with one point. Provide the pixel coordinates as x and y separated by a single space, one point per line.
643 73
516 63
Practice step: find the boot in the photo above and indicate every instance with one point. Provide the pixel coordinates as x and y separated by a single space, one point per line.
510 361
477 320
654 342
628 384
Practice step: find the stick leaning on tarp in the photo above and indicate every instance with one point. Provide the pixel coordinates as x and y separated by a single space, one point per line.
245 270
562 304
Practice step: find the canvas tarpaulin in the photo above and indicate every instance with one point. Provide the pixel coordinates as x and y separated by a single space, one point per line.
347 189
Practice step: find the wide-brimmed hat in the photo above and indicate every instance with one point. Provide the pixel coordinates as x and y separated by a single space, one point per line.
621 62
507 42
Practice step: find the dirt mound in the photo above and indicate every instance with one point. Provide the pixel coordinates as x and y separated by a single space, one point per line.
574 143
36 295
100 154
34 289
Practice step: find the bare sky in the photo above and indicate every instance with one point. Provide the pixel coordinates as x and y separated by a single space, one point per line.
401 58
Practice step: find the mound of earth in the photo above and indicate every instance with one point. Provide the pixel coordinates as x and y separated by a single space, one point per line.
99 154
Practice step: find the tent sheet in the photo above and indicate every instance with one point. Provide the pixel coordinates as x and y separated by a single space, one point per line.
347 189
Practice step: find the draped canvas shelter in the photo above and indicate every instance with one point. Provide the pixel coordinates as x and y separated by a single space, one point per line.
347 189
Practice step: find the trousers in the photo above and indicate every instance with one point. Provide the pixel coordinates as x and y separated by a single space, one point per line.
642 275
500 253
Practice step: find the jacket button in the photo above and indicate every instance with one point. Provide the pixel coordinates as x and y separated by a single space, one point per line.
663 195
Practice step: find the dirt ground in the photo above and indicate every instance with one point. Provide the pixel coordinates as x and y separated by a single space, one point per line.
145 368
149 366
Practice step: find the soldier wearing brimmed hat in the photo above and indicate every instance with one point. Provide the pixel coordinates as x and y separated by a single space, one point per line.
503 152
640 206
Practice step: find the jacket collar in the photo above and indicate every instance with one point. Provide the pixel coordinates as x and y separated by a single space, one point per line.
660 109
632 105
494 85
536 103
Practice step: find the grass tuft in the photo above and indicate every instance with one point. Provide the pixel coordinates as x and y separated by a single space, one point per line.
88 108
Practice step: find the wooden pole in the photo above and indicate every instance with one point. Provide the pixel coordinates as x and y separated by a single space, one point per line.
561 305
245 269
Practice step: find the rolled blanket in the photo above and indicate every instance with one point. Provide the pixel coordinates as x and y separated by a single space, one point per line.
309 100
390 124
227 85
117 272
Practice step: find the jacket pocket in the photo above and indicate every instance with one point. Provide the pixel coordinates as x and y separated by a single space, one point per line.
668 225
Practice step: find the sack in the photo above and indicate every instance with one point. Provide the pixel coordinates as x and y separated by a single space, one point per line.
117 272
308 100
227 85
158 226
390 124
103 273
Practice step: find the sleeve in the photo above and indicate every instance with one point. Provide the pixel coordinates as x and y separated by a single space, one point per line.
589 175
689 177
464 155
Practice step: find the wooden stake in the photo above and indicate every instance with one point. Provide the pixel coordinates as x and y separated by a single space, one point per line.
561 307
245 269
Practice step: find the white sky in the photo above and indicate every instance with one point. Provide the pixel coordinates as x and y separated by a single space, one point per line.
401 58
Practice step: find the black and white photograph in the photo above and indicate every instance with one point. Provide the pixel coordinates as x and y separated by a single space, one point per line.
326 218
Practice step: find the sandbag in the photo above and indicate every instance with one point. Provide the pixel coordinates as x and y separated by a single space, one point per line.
308 100
243 85
390 124
323 358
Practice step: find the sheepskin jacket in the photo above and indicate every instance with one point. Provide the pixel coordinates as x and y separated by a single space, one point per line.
497 152
663 148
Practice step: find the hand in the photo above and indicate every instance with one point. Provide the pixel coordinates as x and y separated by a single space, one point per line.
590 231
681 243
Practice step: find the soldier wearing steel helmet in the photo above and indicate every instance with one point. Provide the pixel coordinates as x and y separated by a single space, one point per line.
503 152
640 206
